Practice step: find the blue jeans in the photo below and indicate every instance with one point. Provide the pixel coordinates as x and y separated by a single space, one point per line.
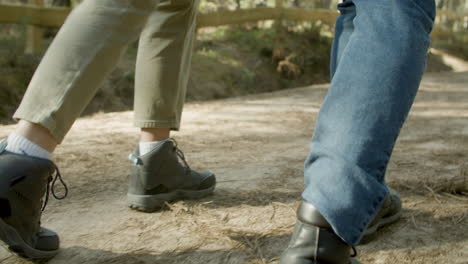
378 58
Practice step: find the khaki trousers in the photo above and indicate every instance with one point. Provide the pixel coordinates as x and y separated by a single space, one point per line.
88 47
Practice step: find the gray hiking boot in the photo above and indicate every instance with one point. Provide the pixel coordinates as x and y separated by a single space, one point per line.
389 213
25 183
163 175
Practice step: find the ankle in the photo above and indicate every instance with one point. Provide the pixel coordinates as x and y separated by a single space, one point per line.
150 139
37 134
20 145
154 134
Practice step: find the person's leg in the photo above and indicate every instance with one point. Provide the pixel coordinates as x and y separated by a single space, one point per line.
163 65
370 96
160 172
85 50
163 68
344 27
83 53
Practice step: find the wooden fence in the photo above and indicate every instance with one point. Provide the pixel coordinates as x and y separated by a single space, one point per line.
36 16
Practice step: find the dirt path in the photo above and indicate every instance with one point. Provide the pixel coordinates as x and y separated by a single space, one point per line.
256 145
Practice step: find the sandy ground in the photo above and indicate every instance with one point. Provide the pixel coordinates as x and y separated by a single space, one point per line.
256 145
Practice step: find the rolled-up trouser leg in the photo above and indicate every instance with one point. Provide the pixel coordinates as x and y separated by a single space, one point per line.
163 64
84 52
372 90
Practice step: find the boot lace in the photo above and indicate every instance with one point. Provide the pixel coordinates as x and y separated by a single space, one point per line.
52 180
180 155
354 252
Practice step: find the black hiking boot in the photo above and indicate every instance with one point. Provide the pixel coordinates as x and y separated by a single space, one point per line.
163 175
24 182
314 242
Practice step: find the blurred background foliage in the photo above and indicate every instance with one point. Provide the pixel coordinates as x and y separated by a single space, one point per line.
228 60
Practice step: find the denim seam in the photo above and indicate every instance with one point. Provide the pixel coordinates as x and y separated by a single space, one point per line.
371 216
430 19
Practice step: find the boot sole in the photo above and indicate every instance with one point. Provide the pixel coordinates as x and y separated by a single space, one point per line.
11 240
151 203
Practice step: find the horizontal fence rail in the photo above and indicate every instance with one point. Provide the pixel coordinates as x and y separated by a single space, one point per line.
33 15
40 16
222 18
55 16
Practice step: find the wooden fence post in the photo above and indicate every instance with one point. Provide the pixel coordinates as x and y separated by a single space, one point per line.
34 34
279 5
75 3
279 51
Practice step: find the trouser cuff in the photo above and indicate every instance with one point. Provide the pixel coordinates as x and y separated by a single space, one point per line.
173 125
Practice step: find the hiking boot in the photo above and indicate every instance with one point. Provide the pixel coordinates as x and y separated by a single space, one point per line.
389 213
314 242
24 182
163 175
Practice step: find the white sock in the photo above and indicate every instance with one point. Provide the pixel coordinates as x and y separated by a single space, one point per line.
146 147
21 145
